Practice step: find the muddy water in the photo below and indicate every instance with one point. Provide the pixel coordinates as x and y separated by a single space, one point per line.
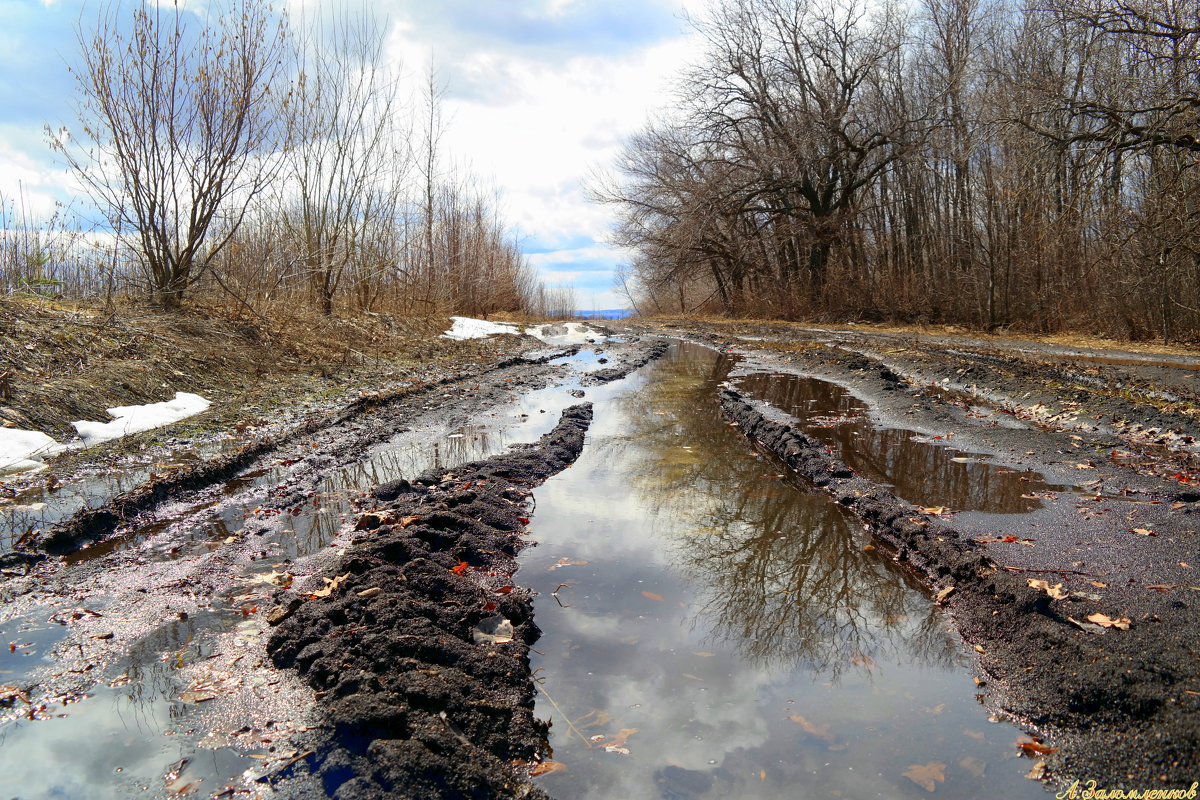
131 732
923 470
712 630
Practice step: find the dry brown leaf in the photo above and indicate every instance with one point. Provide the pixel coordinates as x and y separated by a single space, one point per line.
1034 746
821 732
331 584
943 594
1108 622
935 511
1098 584
927 776
566 562
1055 591
1037 771
973 765
652 596
1142 531
546 767
197 695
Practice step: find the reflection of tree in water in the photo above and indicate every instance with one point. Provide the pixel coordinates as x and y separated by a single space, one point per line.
920 471
780 569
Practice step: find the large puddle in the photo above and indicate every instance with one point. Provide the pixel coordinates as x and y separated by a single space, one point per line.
926 471
714 630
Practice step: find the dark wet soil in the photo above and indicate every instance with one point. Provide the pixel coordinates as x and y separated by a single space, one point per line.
421 652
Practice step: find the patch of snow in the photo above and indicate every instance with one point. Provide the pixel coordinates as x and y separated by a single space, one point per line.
22 451
576 333
134 419
468 328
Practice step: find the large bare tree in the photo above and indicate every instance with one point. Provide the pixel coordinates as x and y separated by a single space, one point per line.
180 125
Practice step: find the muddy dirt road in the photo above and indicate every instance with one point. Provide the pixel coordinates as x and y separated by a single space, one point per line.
723 562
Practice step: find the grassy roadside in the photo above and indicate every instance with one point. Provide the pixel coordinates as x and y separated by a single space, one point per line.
68 361
1068 339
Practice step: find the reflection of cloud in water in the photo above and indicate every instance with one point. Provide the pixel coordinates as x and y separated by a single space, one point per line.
733 620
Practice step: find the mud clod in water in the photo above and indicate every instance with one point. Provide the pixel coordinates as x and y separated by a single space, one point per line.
417 703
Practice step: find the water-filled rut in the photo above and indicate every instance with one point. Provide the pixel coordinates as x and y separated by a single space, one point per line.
714 628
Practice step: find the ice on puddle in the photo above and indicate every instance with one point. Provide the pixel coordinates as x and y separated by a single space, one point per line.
134 419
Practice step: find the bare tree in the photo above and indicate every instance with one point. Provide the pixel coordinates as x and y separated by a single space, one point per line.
345 168
180 125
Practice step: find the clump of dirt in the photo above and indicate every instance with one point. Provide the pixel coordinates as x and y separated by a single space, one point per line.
63 362
419 642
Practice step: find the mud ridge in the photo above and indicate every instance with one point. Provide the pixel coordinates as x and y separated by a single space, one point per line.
91 525
420 650
1102 698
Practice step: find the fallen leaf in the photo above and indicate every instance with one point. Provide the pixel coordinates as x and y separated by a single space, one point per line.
652 596
1142 531
973 765
330 585
1034 746
1084 466
1108 622
1098 584
1037 771
197 695
943 594
567 562
821 732
927 776
1185 565
1056 591
546 767
460 569
935 511
273 578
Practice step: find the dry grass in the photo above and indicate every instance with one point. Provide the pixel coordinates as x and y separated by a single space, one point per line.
70 361
1074 339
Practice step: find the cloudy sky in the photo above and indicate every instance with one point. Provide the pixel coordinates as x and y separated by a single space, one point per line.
538 95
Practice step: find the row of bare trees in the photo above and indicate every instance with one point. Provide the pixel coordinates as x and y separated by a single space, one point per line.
277 161
995 163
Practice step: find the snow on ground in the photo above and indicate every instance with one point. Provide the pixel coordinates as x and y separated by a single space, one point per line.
468 328
25 451
134 419
22 451
577 333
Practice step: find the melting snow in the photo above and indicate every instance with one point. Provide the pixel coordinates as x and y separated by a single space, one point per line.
468 328
21 451
134 419
576 332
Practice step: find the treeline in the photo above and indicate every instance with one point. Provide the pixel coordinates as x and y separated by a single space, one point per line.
269 163
982 162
